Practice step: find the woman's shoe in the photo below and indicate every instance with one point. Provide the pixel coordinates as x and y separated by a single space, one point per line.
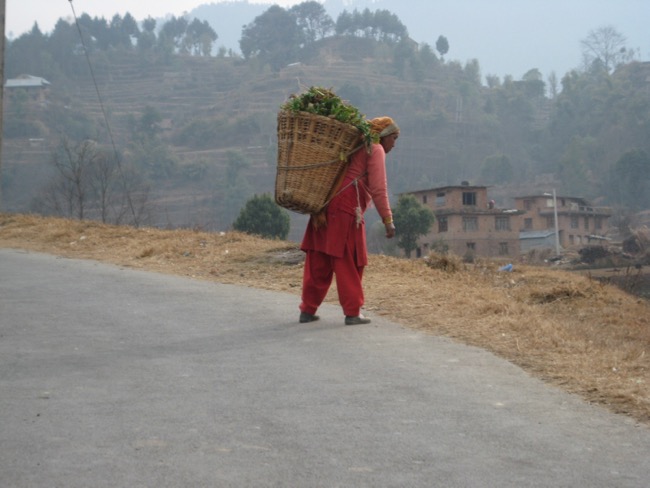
359 319
307 317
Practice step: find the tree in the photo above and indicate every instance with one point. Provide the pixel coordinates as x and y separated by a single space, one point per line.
172 34
147 39
442 46
199 38
496 169
273 37
553 85
573 170
63 44
381 25
30 53
262 216
630 180
70 191
412 220
427 56
388 27
123 30
605 46
313 21
103 183
147 150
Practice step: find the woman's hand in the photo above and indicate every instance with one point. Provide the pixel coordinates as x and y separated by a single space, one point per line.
390 230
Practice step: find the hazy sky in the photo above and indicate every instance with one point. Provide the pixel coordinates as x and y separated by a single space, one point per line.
506 36
21 14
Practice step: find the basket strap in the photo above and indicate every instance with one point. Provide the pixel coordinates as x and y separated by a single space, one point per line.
342 157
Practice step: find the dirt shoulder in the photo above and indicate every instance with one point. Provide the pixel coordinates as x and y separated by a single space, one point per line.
570 330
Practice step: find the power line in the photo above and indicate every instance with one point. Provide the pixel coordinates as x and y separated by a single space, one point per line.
101 105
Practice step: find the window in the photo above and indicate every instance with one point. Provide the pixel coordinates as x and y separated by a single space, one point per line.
586 223
574 222
550 222
528 204
440 199
471 246
528 224
469 198
599 223
442 224
424 199
470 224
502 222
503 248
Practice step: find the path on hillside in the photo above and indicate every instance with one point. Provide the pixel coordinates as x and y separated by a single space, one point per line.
113 377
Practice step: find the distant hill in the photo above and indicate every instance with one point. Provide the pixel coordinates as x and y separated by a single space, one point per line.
228 18
509 37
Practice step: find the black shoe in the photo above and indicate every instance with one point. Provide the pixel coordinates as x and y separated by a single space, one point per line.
307 317
359 319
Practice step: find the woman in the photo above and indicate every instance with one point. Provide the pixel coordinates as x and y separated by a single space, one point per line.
338 247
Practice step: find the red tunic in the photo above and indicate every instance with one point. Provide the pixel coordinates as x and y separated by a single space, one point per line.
368 171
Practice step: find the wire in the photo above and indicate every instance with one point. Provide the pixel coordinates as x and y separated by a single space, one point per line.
101 104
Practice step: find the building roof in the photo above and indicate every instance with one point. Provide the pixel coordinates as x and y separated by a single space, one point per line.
451 187
536 234
27 81
580 200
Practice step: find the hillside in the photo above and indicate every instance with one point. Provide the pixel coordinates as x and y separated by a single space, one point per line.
208 94
569 330
210 125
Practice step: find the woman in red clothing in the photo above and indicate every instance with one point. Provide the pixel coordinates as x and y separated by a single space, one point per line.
338 247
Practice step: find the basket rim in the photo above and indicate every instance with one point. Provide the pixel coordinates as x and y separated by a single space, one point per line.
301 113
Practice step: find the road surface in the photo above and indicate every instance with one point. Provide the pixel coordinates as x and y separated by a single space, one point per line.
112 377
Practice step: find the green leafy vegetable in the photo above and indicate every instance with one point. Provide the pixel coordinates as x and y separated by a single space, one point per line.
322 101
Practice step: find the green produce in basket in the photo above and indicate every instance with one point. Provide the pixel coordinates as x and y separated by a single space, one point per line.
322 101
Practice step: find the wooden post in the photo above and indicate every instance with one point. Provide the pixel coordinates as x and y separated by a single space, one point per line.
2 88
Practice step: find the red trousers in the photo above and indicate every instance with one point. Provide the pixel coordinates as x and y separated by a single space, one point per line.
317 278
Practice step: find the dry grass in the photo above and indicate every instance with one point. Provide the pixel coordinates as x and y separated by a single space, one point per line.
570 330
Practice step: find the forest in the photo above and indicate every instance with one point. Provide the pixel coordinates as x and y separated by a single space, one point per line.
145 123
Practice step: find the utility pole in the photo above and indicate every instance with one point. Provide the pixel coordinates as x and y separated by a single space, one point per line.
2 87
557 225
555 222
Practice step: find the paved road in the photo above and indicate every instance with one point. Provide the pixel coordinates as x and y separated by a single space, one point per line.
111 377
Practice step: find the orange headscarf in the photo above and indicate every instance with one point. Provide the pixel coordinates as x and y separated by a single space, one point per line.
383 126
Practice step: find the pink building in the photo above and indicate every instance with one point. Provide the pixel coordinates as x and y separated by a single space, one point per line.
578 223
468 223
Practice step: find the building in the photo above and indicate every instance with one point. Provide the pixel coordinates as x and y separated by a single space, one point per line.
468 224
578 223
35 87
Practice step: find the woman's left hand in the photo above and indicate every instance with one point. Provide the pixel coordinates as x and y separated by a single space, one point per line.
390 230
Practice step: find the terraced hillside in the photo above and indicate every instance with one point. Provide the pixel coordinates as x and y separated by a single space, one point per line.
193 93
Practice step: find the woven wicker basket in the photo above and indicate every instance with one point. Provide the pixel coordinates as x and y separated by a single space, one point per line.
313 153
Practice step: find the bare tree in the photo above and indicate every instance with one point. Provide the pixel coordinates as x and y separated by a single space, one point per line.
605 46
104 182
134 206
73 164
90 182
